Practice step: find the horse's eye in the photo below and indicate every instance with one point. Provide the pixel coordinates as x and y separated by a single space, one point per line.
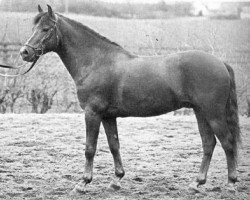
45 29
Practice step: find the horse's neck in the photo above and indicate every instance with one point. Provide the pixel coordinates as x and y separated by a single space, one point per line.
79 49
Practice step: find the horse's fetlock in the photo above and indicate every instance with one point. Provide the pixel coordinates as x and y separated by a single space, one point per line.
120 173
87 179
201 181
232 179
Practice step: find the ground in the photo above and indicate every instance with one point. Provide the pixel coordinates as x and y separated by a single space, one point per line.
42 157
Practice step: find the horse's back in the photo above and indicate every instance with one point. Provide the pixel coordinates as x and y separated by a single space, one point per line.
148 86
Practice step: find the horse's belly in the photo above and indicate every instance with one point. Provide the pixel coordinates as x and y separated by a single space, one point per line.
144 112
147 101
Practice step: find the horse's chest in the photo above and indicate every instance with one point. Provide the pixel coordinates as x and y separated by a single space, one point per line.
82 95
93 98
85 89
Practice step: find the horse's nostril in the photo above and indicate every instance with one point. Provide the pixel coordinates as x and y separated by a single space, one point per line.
24 51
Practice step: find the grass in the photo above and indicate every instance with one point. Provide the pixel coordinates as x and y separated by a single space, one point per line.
42 157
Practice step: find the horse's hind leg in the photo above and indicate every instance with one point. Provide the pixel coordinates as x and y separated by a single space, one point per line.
110 127
208 144
221 130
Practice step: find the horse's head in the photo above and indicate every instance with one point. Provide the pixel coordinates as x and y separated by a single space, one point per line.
44 37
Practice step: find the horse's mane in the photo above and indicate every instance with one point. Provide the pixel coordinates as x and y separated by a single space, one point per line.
89 30
81 26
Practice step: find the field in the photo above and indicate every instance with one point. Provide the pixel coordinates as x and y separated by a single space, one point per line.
226 39
42 157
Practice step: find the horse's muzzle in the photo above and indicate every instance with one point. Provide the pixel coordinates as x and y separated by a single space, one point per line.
28 54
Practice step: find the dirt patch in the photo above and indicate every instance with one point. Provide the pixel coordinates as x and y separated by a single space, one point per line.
42 157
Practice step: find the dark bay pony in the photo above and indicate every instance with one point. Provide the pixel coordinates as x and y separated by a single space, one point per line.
111 83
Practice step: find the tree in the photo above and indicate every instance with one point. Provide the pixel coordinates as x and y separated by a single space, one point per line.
3 101
41 101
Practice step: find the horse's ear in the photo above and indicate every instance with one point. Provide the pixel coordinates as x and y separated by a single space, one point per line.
40 10
50 11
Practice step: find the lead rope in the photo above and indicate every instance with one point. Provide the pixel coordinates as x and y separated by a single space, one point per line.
11 67
16 75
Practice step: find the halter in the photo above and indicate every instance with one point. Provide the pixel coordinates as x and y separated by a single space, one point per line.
39 50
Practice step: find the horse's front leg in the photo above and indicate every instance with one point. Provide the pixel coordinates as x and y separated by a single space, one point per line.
93 122
110 127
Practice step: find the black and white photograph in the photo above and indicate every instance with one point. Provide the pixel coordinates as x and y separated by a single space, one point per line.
124 99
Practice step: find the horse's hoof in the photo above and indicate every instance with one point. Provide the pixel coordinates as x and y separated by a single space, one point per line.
114 185
193 187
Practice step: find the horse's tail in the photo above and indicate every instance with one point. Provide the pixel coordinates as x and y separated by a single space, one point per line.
232 116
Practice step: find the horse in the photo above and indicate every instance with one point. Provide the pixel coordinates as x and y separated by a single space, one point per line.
111 82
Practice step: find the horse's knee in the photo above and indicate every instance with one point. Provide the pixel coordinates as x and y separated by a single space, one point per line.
89 152
209 145
114 148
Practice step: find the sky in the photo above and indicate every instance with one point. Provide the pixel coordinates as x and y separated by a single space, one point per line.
155 1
